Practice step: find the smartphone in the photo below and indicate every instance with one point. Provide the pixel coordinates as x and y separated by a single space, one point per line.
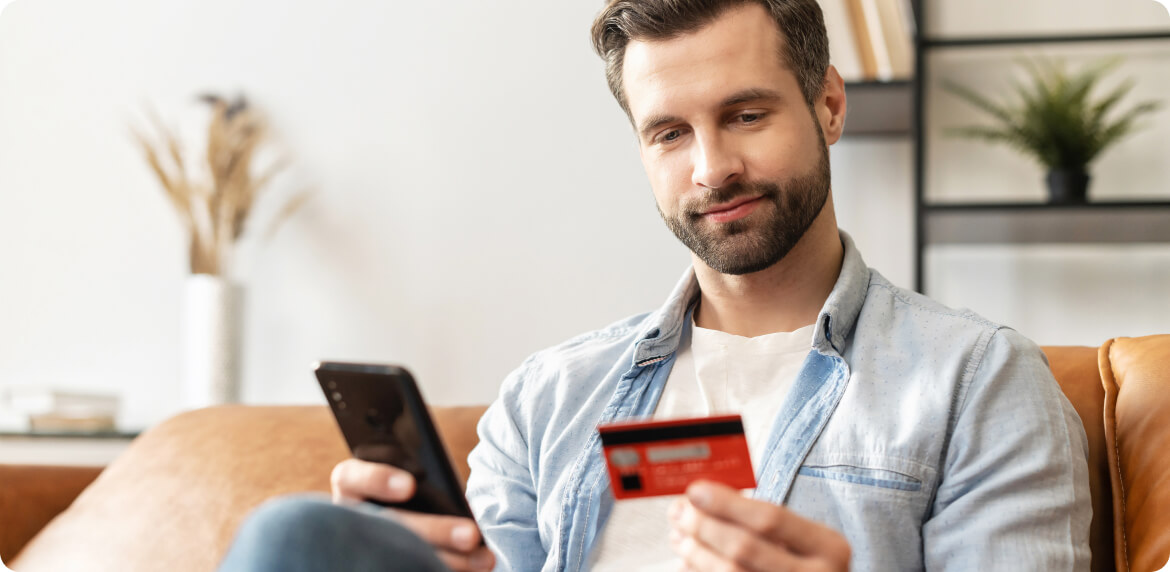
384 419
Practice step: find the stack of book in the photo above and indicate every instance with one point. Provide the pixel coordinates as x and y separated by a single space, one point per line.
38 409
871 40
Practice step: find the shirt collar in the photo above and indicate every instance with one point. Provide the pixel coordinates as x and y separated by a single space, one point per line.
839 314
660 338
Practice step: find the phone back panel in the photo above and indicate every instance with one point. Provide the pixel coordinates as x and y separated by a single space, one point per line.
384 420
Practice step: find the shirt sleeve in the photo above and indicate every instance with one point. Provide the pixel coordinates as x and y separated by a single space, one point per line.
1014 492
500 488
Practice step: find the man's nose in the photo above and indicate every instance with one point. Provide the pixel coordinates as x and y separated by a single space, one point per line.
716 162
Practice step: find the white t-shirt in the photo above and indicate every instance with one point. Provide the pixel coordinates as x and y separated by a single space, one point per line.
717 374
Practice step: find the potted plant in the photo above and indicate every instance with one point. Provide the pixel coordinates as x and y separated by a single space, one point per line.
214 196
1055 119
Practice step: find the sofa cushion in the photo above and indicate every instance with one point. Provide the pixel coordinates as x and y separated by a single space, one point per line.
1136 374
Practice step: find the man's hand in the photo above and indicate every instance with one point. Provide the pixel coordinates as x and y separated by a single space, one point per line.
715 528
456 540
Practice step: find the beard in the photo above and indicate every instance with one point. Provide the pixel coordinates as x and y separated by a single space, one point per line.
744 246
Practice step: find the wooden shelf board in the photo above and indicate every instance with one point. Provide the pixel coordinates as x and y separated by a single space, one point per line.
880 109
973 42
1093 223
115 435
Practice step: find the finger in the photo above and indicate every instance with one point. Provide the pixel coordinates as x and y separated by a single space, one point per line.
777 523
479 560
729 541
357 480
452 533
699 557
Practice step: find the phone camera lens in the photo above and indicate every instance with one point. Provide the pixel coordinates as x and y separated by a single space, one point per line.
336 396
332 385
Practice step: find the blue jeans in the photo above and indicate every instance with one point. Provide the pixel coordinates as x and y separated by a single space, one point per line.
307 533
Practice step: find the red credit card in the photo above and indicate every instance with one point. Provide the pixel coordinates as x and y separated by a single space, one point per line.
652 458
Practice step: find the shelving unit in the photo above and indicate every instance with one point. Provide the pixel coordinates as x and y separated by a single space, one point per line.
1016 223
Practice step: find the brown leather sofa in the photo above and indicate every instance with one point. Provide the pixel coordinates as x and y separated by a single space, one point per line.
173 500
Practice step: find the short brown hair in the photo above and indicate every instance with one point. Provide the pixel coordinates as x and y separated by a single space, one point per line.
806 45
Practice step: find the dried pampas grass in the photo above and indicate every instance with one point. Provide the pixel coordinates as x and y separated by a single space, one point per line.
214 203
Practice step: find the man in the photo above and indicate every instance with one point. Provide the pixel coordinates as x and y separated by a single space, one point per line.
903 436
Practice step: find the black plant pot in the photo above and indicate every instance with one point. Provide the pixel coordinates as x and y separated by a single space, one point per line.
1068 187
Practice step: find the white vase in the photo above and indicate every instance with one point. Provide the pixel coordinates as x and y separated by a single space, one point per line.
212 308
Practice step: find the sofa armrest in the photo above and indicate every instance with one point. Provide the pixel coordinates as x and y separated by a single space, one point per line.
30 496
187 483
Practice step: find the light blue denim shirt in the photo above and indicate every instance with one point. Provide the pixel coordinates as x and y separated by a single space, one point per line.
931 438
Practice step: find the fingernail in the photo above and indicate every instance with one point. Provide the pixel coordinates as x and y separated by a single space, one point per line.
399 484
463 535
700 495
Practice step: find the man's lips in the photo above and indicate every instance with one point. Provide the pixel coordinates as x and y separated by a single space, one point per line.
733 210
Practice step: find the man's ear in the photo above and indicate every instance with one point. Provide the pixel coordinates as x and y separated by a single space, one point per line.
830 107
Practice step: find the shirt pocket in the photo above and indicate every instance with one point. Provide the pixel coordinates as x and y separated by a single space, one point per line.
866 476
876 500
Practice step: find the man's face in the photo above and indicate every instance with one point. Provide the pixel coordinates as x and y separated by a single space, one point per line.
736 158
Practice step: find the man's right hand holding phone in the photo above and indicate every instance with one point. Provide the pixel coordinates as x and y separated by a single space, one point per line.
456 540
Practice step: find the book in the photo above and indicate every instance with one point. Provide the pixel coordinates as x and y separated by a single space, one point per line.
843 51
13 421
42 400
897 25
867 34
57 423
46 409
884 31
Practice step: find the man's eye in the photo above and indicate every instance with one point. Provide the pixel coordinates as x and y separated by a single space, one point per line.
671 135
750 117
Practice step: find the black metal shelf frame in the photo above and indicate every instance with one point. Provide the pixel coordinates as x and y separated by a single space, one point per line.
1018 223
918 127
1022 206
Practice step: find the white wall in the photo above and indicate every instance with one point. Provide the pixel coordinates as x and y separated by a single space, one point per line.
478 195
